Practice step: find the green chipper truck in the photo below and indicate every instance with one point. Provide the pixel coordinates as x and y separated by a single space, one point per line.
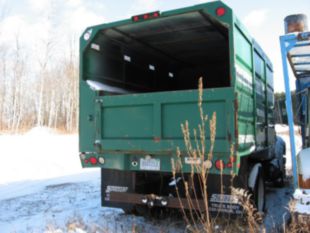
138 83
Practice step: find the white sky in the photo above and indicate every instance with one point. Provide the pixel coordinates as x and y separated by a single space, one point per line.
35 21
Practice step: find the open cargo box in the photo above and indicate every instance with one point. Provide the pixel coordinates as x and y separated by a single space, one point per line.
154 66
165 54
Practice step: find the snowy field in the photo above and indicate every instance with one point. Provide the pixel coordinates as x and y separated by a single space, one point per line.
44 189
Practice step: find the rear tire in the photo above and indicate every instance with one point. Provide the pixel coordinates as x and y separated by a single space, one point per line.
259 193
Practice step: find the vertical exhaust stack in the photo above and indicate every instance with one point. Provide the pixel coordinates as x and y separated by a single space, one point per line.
296 23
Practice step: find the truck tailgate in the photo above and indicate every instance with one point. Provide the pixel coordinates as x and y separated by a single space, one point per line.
151 123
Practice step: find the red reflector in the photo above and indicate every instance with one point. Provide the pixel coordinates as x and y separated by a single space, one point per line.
93 160
86 161
220 11
147 16
219 164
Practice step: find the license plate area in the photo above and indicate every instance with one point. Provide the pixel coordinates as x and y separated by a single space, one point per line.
150 164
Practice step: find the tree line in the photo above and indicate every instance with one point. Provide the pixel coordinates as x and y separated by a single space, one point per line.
38 92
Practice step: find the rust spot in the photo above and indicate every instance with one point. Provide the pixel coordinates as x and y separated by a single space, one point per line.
303 183
236 120
156 139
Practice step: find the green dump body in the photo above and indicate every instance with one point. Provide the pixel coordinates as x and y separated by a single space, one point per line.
139 81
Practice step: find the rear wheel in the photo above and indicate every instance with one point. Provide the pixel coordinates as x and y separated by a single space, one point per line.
259 194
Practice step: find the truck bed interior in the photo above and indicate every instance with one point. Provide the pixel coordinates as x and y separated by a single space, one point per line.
163 54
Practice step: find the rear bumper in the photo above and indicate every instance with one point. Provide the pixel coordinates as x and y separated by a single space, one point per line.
129 189
215 204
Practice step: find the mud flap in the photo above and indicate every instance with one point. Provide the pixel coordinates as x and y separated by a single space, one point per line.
116 181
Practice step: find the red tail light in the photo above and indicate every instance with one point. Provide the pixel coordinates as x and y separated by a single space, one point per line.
219 164
93 160
220 11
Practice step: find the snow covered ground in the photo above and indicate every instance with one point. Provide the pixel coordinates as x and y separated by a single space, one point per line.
44 189
69 203
40 153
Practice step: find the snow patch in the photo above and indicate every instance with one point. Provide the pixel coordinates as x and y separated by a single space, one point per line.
285 129
302 196
40 131
304 163
38 154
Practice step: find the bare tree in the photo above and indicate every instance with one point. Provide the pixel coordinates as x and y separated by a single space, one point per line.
3 65
18 72
43 94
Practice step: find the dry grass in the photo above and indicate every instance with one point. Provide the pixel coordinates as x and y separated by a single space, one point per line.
253 217
200 220
299 223
197 220
78 225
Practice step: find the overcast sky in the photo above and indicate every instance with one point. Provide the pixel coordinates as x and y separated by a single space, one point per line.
36 20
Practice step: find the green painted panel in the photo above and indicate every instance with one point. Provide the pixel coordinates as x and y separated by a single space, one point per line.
86 118
246 138
156 146
243 48
246 106
127 121
175 114
259 66
269 75
244 78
